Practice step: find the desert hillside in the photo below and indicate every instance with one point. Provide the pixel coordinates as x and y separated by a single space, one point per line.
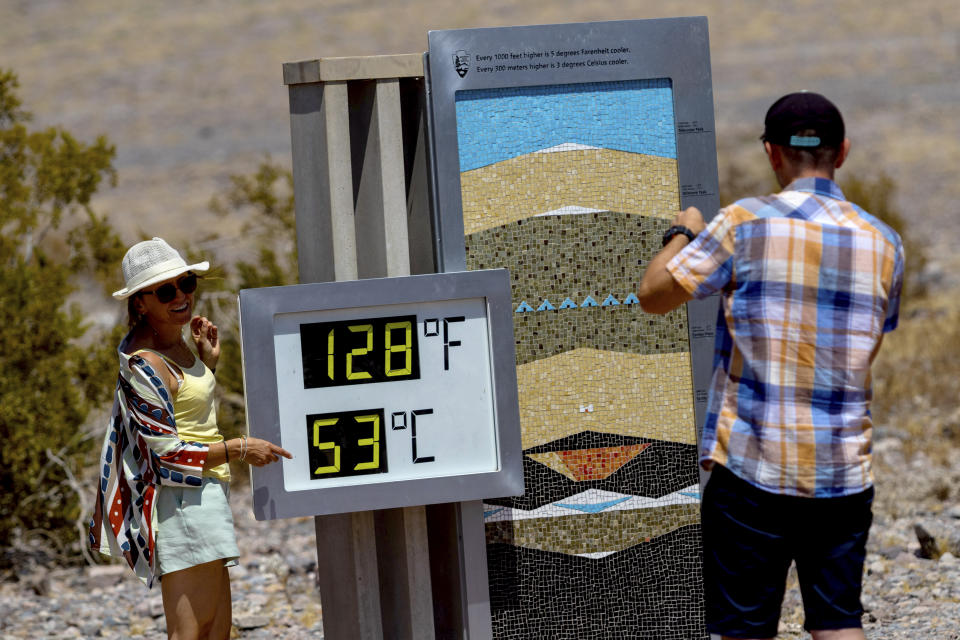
191 92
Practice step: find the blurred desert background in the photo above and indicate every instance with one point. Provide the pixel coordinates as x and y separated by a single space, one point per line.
191 93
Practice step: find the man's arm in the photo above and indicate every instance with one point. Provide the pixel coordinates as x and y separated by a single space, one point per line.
659 292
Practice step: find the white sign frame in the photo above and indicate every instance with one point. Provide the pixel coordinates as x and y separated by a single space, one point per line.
485 462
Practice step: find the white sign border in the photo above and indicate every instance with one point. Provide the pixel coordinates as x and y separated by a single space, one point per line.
257 310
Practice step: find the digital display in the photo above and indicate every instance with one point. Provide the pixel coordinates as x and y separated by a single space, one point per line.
359 351
345 352
346 443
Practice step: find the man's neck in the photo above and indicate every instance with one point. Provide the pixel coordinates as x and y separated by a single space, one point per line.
786 178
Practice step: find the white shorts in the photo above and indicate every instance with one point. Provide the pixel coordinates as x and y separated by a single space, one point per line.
195 526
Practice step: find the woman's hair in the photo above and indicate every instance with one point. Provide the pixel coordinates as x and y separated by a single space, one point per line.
133 315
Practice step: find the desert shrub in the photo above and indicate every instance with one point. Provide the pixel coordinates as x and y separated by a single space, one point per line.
914 382
49 381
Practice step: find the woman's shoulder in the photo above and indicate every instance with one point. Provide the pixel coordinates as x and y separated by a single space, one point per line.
168 371
152 357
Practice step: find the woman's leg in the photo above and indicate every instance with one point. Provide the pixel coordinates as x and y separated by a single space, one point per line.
223 621
196 602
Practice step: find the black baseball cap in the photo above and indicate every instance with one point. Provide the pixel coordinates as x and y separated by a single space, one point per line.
804 120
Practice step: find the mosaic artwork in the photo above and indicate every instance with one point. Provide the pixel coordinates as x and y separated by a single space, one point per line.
571 187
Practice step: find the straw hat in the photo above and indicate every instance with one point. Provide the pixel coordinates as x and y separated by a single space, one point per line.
150 262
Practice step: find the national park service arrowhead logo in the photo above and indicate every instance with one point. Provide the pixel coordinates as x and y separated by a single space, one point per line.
461 62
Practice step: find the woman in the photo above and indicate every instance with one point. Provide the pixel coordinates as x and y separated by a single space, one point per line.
164 482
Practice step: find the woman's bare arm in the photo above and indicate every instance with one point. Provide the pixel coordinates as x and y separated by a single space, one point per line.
258 452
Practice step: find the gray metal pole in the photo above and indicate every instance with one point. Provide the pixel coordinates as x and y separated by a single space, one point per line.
350 192
381 224
326 248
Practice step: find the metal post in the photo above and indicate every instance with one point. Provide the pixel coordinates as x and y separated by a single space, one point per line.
326 250
351 208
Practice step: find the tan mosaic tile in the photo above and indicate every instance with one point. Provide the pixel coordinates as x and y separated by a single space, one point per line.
649 396
536 183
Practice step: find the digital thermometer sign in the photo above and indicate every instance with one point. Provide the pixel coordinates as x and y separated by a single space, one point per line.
388 392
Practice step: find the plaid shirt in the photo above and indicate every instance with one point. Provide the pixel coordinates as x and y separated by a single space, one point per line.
809 283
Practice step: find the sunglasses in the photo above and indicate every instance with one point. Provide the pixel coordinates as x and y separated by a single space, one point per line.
167 292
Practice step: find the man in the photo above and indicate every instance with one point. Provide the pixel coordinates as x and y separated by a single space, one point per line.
808 284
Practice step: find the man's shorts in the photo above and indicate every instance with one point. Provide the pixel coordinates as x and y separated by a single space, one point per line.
750 536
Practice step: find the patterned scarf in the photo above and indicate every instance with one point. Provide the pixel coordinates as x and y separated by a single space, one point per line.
141 453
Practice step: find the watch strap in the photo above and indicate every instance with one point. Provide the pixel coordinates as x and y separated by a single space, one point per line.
677 229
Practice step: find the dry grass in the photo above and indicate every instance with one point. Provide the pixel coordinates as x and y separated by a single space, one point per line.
916 382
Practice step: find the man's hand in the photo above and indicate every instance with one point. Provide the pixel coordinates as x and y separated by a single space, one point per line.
659 292
206 340
692 219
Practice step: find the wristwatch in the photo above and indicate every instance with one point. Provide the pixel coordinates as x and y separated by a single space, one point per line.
675 230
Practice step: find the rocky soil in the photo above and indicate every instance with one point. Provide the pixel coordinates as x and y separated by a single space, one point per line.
274 593
907 596
909 593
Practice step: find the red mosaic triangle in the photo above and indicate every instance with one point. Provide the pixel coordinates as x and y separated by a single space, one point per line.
598 464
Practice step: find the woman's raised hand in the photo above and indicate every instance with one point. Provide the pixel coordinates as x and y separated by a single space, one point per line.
261 452
206 340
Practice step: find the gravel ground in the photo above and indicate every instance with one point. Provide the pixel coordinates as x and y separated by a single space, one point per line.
907 597
273 591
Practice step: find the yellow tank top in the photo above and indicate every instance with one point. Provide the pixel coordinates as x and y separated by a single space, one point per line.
194 410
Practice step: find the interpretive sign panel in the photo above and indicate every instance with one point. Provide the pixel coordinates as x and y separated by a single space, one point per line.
389 392
562 152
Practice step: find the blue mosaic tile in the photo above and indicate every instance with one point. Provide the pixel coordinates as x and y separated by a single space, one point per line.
546 306
498 124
